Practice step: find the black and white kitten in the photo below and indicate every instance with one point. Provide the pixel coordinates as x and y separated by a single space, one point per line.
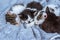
27 15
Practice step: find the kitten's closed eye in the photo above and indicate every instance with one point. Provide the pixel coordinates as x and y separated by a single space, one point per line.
39 16
23 17
32 14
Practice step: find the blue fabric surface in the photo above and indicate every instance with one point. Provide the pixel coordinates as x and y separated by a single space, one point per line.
10 32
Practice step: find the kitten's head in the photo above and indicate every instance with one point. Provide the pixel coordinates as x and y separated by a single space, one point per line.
27 16
35 4
40 17
11 18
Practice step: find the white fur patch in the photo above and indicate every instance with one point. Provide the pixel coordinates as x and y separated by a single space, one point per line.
17 9
28 25
39 22
18 20
34 9
26 21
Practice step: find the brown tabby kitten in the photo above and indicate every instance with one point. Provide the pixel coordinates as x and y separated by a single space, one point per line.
11 18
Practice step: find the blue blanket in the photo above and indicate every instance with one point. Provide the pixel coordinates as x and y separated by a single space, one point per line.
11 32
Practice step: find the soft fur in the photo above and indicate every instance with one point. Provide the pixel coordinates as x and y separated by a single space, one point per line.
11 18
16 9
51 23
40 17
35 5
12 14
27 15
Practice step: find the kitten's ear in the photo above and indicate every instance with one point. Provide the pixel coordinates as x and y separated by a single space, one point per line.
47 10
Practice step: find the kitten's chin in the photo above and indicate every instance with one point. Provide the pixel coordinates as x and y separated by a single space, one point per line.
18 24
39 22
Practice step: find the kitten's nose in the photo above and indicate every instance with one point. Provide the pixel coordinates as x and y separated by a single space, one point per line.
28 21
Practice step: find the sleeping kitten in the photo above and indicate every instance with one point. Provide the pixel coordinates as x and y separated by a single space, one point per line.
40 17
35 5
12 15
27 16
